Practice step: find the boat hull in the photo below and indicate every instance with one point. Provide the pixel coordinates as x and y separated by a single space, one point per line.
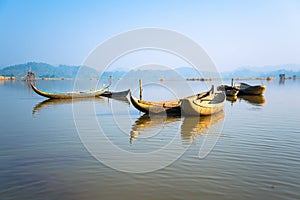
245 89
253 90
115 94
169 107
212 103
209 105
69 95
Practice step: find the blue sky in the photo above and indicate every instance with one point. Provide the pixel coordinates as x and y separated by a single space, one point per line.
233 33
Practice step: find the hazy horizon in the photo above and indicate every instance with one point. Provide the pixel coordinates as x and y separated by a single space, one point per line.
234 34
154 66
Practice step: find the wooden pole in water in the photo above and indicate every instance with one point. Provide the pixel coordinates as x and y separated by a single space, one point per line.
232 82
141 89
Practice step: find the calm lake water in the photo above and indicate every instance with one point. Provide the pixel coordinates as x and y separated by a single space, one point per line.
257 155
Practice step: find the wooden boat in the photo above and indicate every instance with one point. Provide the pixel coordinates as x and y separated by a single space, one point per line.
245 89
206 103
169 107
111 94
70 95
229 90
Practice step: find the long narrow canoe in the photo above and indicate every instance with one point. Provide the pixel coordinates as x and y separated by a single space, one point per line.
206 103
169 107
245 89
111 94
70 95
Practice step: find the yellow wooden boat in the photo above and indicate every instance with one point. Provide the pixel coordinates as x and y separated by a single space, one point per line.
70 95
171 106
206 103
245 89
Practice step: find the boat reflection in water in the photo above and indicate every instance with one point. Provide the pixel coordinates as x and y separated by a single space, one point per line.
231 99
120 99
257 100
53 102
146 125
191 126
253 99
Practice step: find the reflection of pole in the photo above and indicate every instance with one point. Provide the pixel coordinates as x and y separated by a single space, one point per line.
110 82
282 78
141 90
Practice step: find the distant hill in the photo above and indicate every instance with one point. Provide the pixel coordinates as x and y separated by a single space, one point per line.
44 70
247 73
263 71
170 74
269 68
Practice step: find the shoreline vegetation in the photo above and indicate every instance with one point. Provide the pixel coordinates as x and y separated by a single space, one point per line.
238 79
7 78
